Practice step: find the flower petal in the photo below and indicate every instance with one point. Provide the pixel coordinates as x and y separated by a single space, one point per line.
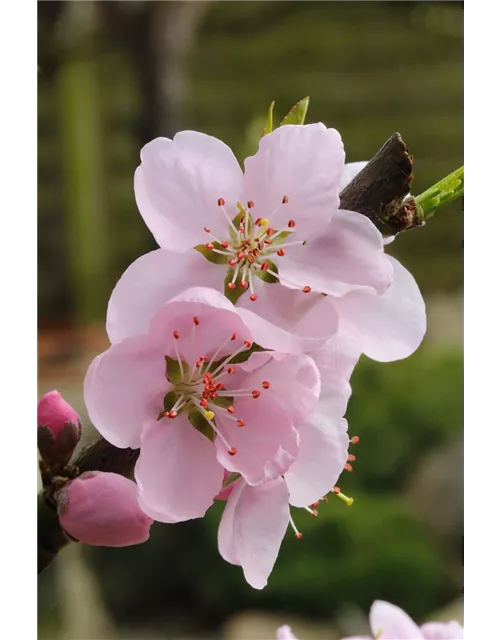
288 320
252 527
303 163
387 327
151 281
350 171
124 388
322 456
442 631
285 633
347 254
178 184
177 471
394 623
267 444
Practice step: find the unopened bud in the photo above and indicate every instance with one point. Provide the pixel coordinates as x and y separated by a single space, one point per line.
101 509
59 429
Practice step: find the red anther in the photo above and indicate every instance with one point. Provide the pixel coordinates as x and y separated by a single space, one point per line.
354 440
280 252
232 451
316 504
177 335
203 402
298 535
266 384
251 258
251 204
198 363
285 199
172 414
224 244
230 409
233 262
325 498
243 284
270 231
219 386
255 393
291 224
241 255
209 245
336 489
351 458
258 221
348 467
247 344
314 513
264 266
231 285
241 229
233 337
207 229
253 297
196 320
166 414
307 289
221 202
240 423
231 369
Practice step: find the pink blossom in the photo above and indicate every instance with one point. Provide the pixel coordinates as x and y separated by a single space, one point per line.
176 393
256 518
101 509
285 633
388 622
59 429
278 220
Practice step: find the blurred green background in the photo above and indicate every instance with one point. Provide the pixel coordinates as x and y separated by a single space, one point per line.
114 75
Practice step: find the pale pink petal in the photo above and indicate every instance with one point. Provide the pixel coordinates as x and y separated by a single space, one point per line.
350 171
387 327
288 320
442 631
347 254
151 281
124 389
267 444
252 527
358 638
294 380
322 456
389 240
285 633
303 163
177 471
394 623
217 321
178 184
336 360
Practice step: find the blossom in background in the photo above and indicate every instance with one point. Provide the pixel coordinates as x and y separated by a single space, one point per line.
177 393
101 509
59 429
286 202
388 622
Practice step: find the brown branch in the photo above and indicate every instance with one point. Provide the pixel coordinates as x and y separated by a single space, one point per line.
377 192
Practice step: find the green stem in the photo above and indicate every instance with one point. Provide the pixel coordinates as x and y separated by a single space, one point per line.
441 193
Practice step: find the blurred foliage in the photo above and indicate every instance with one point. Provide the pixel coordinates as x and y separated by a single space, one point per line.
371 68
377 548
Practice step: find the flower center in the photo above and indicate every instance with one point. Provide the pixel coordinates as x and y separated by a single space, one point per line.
250 245
203 389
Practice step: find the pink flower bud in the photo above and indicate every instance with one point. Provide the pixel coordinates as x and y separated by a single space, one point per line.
101 509
59 429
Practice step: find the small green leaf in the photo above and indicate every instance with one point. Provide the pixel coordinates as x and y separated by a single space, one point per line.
269 123
223 401
201 424
266 276
297 113
173 371
233 295
212 256
232 477
169 400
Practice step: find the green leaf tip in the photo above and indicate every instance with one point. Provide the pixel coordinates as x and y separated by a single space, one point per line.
297 114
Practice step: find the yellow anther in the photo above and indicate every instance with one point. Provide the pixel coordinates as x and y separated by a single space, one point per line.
343 497
264 222
209 415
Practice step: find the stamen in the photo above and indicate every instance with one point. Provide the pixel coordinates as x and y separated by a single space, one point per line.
263 222
307 289
266 384
351 457
221 202
291 224
346 499
210 246
176 335
285 200
280 253
251 204
354 440
240 423
230 409
196 320
313 512
264 266
232 451
255 394
348 467
253 297
298 535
